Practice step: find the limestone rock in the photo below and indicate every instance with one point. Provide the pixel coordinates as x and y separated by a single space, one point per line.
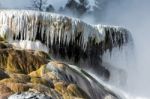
38 80
42 54
60 87
5 91
4 45
5 95
71 91
20 61
51 76
22 78
18 87
39 72
44 73
1 38
10 80
46 90
32 74
74 90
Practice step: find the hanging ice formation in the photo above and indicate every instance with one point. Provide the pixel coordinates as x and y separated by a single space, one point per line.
64 36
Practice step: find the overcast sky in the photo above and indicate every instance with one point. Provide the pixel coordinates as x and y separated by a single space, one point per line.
27 3
14 3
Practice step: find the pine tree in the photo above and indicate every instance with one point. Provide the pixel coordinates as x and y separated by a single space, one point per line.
78 8
72 5
83 6
50 8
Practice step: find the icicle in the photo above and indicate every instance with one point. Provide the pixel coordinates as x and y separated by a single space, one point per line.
52 29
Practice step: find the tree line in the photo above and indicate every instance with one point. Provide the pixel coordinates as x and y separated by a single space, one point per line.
77 8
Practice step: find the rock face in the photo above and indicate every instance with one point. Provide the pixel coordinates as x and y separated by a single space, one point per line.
19 61
43 78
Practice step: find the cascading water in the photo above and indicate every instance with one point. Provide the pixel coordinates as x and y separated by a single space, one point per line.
134 15
67 39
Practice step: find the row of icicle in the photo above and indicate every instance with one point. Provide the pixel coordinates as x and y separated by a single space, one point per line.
58 31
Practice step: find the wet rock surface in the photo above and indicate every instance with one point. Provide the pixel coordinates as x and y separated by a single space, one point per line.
28 74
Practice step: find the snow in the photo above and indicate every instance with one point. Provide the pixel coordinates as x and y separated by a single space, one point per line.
29 95
29 45
3 30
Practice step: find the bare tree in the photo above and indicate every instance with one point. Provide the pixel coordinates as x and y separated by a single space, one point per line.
39 4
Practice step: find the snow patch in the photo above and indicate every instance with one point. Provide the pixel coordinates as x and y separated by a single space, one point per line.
29 45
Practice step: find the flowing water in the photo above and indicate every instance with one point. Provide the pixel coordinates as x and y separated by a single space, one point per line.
134 15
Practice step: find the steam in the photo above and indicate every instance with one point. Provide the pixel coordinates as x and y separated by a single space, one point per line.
134 15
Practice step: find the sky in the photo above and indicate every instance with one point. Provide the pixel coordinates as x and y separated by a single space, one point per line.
27 3
14 3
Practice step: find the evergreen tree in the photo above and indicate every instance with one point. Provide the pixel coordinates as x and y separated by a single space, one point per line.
78 8
83 6
72 5
50 8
